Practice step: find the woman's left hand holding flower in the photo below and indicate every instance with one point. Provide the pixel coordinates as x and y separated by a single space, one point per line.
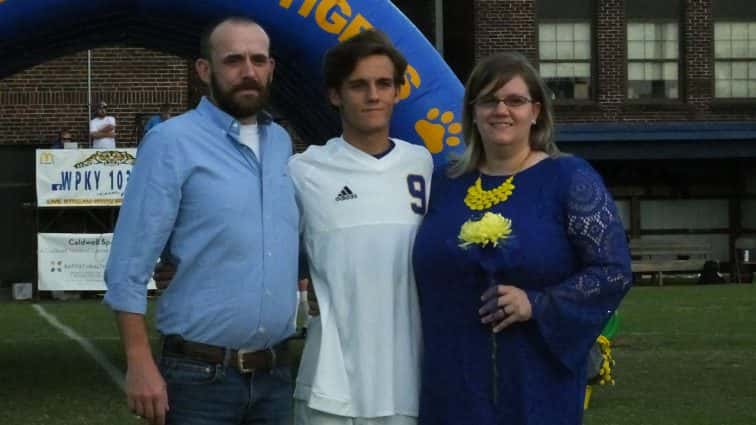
504 305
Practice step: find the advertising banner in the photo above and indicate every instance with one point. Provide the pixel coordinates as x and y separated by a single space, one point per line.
82 177
73 261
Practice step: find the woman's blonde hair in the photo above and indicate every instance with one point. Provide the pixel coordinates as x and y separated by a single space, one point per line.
496 71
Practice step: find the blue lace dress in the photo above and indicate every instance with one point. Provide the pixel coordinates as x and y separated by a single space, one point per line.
567 251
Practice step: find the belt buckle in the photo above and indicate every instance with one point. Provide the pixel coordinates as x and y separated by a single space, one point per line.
240 361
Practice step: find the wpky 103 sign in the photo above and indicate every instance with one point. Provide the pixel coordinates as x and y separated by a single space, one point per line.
86 177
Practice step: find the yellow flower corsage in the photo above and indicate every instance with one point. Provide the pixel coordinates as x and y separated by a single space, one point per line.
492 228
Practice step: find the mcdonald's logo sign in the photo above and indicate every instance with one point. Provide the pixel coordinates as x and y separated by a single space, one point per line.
46 158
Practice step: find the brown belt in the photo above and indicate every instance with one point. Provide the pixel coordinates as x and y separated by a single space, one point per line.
245 361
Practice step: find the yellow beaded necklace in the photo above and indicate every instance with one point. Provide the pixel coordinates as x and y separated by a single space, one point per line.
478 199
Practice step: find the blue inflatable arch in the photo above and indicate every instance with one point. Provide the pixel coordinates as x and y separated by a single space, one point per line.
34 31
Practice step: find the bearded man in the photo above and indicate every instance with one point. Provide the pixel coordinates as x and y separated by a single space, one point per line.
210 193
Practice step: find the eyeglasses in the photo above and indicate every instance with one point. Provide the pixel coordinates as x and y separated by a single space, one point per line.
512 101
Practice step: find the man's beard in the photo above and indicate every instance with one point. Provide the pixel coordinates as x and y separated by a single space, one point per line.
245 107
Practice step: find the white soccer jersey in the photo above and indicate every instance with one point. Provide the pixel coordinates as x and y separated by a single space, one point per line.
360 216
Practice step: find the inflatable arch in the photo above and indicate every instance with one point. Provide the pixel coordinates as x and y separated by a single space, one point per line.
34 31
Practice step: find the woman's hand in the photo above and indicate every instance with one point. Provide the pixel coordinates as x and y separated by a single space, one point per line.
504 305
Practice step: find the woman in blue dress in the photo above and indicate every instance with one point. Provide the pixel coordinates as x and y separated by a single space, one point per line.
558 271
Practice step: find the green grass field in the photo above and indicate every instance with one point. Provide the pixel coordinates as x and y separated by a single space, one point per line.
683 357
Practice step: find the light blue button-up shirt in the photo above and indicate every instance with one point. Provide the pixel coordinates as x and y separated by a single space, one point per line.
227 219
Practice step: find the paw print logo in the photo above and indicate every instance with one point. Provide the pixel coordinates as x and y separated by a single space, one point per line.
437 129
56 266
412 81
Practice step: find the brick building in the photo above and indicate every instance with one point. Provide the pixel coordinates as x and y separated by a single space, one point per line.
607 61
659 95
36 103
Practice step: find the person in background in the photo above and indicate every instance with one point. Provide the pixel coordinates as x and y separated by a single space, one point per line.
64 136
165 113
507 327
102 128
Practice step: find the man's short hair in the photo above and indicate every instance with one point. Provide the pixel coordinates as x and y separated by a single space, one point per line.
341 60
100 104
206 47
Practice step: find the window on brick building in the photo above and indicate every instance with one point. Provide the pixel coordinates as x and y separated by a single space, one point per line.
564 53
652 60
653 49
565 47
735 59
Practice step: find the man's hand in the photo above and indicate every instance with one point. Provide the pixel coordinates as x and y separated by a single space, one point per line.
146 390
163 274
107 130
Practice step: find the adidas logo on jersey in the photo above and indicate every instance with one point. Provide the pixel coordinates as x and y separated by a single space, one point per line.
346 194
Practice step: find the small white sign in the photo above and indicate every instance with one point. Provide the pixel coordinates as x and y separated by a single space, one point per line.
73 261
